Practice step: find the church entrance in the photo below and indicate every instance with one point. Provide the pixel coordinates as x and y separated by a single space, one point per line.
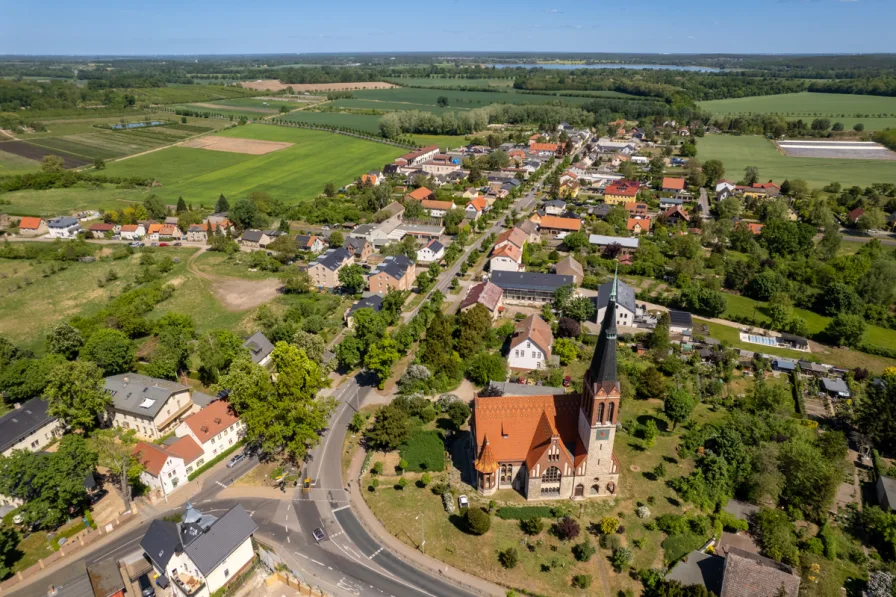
580 490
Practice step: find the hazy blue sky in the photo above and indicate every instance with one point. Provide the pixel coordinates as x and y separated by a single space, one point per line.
228 26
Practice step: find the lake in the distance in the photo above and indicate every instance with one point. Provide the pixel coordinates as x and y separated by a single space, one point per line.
699 69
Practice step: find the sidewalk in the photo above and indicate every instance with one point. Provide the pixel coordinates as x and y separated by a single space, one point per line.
427 564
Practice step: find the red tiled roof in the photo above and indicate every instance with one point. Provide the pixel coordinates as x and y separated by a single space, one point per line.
130 227
29 223
486 462
643 222
211 420
100 227
419 194
152 457
154 228
636 207
510 251
544 146
446 205
514 236
479 203
674 183
677 210
186 448
536 330
626 188
487 294
560 223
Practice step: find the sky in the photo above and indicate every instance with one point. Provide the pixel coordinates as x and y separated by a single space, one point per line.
301 26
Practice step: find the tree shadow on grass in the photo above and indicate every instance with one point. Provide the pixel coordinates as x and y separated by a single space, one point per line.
637 447
670 460
673 502
661 424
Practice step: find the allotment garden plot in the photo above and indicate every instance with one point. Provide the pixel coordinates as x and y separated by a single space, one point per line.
850 150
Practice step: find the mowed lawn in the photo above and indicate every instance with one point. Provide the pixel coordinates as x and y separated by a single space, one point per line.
738 153
806 104
55 202
293 174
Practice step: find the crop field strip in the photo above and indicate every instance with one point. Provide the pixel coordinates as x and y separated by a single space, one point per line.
460 99
36 152
848 150
363 122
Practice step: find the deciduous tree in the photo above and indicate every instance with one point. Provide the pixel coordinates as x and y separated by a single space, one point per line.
75 394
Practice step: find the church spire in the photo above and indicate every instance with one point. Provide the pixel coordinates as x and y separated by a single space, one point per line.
603 363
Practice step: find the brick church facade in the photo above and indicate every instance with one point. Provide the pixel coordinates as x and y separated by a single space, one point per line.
554 446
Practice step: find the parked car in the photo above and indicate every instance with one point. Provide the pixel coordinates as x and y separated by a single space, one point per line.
463 502
177 244
236 460
163 244
319 534
567 381
154 244
146 588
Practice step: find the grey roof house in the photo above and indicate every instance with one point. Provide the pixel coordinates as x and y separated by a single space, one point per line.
259 347
146 404
529 287
28 426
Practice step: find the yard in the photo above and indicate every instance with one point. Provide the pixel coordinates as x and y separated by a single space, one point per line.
293 174
737 153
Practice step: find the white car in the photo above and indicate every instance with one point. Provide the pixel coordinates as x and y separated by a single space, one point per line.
463 502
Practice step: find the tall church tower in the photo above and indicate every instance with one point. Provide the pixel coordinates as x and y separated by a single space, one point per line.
599 409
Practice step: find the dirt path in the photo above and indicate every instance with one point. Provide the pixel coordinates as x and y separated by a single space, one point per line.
8 134
236 294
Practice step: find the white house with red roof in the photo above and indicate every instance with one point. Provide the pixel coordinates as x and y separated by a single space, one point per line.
132 231
168 467
30 227
214 428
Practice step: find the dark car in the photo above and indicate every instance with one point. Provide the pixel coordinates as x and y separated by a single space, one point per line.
319 534
177 244
146 588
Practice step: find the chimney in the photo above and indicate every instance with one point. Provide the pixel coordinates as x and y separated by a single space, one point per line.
218 420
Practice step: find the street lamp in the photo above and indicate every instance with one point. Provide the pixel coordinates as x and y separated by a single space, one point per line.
422 532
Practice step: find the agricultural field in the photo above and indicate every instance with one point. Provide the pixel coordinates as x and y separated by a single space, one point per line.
11 163
458 99
362 122
54 202
293 174
875 112
395 106
445 142
175 94
448 83
738 153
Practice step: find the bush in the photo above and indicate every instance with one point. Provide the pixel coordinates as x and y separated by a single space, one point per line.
609 525
531 526
425 479
402 483
584 550
814 546
622 557
610 542
525 512
678 546
581 581
509 558
441 489
567 528
377 468
478 521
424 451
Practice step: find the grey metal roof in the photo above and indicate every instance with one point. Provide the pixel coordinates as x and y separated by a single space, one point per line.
784 364
139 394
202 400
62 222
600 239
19 422
530 281
253 236
355 244
699 568
332 259
681 319
160 542
226 534
373 301
835 385
889 487
259 347
625 295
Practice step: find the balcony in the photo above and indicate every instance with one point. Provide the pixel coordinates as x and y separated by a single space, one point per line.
189 585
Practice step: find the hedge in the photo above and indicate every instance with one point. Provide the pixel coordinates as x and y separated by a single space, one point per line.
216 460
424 451
526 512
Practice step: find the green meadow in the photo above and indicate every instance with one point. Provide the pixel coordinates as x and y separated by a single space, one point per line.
293 174
806 104
362 122
738 153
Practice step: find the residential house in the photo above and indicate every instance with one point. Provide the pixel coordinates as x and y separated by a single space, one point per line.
624 303
759 190
627 246
475 208
793 342
570 267
358 248
680 322
515 236
530 345
440 165
258 239
554 207
101 229
394 273
31 227
215 429
105 578
621 191
372 178
886 493
201 554
420 194
853 216
415 158
638 225
311 243
394 213
506 258
434 251
132 231
529 288
675 215
552 446
667 202
555 226
600 211
751 575
724 185
437 209
486 294
543 149
324 270
673 185
64 227
530 229
637 209
373 301
835 388
145 404
425 232
260 348
569 189
164 471
754 227
28 426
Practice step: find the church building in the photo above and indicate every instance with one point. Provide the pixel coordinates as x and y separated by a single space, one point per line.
556 446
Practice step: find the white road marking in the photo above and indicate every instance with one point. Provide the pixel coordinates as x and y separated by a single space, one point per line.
221 484
316 562
375 554
340 508
117 548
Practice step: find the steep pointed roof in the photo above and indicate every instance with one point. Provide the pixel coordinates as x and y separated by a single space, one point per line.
486 463
603 363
